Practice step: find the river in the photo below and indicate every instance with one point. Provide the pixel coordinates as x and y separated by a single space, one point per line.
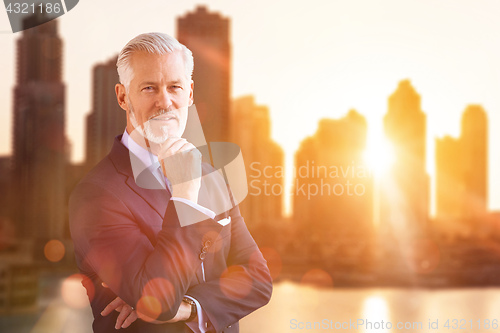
295 308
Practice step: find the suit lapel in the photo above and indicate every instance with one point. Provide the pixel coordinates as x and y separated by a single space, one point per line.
157 199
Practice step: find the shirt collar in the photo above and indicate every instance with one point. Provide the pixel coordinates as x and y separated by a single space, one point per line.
145 156
142 159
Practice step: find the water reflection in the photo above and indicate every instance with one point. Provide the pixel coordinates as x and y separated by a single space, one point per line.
375 315
296 308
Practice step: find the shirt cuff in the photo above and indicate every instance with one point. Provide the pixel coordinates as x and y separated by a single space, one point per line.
203 324
199 208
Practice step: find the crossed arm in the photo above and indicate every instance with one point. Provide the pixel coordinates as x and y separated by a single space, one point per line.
127 314
154 277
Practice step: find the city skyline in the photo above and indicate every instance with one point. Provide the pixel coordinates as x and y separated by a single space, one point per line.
364 43
337 142
357 220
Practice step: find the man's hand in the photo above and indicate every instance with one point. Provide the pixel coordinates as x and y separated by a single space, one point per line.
181 164
127 314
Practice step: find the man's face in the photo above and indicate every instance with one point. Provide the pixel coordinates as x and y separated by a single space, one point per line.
158 96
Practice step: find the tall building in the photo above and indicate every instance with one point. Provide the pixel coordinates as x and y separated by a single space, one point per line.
7 228
5 177
39 143
264 163
333 188
207 36
405 192
475 162
106 119
462 170
449 179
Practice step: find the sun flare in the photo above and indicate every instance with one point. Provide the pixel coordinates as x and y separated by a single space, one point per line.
379 155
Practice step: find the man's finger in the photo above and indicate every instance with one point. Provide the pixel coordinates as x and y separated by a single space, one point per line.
172 149
170 143
126 310
117 302
130 319
186 146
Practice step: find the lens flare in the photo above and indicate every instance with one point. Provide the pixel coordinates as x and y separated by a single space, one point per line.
54 250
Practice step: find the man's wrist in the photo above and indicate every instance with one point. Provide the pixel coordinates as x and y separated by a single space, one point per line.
192 306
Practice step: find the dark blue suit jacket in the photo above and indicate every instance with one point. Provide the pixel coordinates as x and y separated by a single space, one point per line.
130 238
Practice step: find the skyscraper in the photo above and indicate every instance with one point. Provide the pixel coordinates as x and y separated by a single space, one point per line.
39 143
449 179
106 119
264 162
333 188
207 36
462 170
405 193
5 200
475 161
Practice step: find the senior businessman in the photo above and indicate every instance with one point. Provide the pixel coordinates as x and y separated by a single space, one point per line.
162 258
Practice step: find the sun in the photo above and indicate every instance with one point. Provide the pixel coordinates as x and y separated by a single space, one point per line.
379 154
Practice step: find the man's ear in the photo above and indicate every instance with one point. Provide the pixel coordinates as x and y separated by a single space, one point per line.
121 95
191 93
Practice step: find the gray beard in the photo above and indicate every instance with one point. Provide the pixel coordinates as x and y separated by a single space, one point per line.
146 129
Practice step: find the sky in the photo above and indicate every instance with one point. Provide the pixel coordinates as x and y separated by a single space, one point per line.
305 60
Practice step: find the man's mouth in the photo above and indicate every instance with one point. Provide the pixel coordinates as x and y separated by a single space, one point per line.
164 117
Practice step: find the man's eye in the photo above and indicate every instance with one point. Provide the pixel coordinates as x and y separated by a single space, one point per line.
149 88
175 87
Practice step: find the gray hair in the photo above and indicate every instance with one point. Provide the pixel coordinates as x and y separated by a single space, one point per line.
154 43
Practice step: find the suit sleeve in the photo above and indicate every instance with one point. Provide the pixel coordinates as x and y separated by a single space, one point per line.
111 244
245 286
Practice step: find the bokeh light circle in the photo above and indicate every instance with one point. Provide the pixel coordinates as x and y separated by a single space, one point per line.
54 250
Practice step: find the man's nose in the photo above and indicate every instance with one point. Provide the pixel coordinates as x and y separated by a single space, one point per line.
164 100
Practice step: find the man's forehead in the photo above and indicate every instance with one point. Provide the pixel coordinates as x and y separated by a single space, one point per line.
172 63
